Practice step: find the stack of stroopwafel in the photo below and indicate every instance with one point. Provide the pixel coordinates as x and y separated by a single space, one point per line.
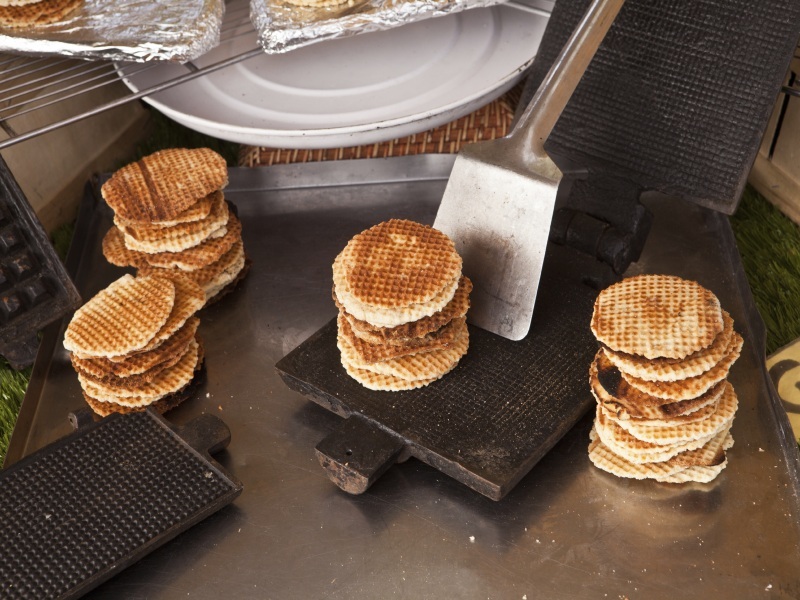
171 219
30 13
664 404
402 306
134 344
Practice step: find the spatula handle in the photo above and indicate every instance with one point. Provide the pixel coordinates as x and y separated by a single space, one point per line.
546 106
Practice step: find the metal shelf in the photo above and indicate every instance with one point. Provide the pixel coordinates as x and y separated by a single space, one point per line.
31 85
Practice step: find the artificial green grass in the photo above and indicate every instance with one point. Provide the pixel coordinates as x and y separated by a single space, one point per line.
14 383
12 391
769 244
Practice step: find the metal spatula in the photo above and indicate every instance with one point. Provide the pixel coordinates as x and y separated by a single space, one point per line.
499 200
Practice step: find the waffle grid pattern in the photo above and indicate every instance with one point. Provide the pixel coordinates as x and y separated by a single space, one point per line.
86 507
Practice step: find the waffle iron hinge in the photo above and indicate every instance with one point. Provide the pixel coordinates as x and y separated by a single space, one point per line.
601 216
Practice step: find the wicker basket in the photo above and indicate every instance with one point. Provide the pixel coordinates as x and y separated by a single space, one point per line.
488 122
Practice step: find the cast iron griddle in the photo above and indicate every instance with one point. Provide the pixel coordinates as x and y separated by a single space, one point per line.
678 95
488 421
85 507
35 288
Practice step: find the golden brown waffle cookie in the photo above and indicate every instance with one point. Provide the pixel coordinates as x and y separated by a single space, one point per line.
168 381
395 272
190 259
684 389
110 380
37 13
657 316
161 406
206 276
161 186
605 459
625 401
152 240
371 353
635 450
196 212
122 318
667 420
232 271
233 284
403 334
669 369
383 383
189 298
717 420
695 474
117 253
383 317
712 454
709 455
17 2
427 365
139 363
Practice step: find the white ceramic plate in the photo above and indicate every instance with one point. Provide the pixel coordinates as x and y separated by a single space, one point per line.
358 90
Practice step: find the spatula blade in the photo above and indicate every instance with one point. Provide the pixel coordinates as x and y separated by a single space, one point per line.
499 219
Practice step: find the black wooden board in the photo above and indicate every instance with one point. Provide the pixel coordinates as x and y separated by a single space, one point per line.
486 423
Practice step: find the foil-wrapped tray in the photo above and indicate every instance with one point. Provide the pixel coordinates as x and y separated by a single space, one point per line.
129 30
284 25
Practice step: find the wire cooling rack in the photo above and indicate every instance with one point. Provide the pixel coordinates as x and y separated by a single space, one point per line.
31 87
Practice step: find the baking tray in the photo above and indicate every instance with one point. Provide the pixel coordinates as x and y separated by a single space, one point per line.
131 30
283 26
566 530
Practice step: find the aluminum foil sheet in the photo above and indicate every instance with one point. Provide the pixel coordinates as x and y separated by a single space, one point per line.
128 30
283 26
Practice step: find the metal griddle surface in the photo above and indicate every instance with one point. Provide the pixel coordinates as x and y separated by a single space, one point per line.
566 530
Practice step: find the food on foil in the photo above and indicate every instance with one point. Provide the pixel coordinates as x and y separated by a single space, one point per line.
29 13
284 25
125 30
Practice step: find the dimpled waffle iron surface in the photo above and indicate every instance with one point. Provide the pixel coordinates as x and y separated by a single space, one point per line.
90 505
402 300
664 405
